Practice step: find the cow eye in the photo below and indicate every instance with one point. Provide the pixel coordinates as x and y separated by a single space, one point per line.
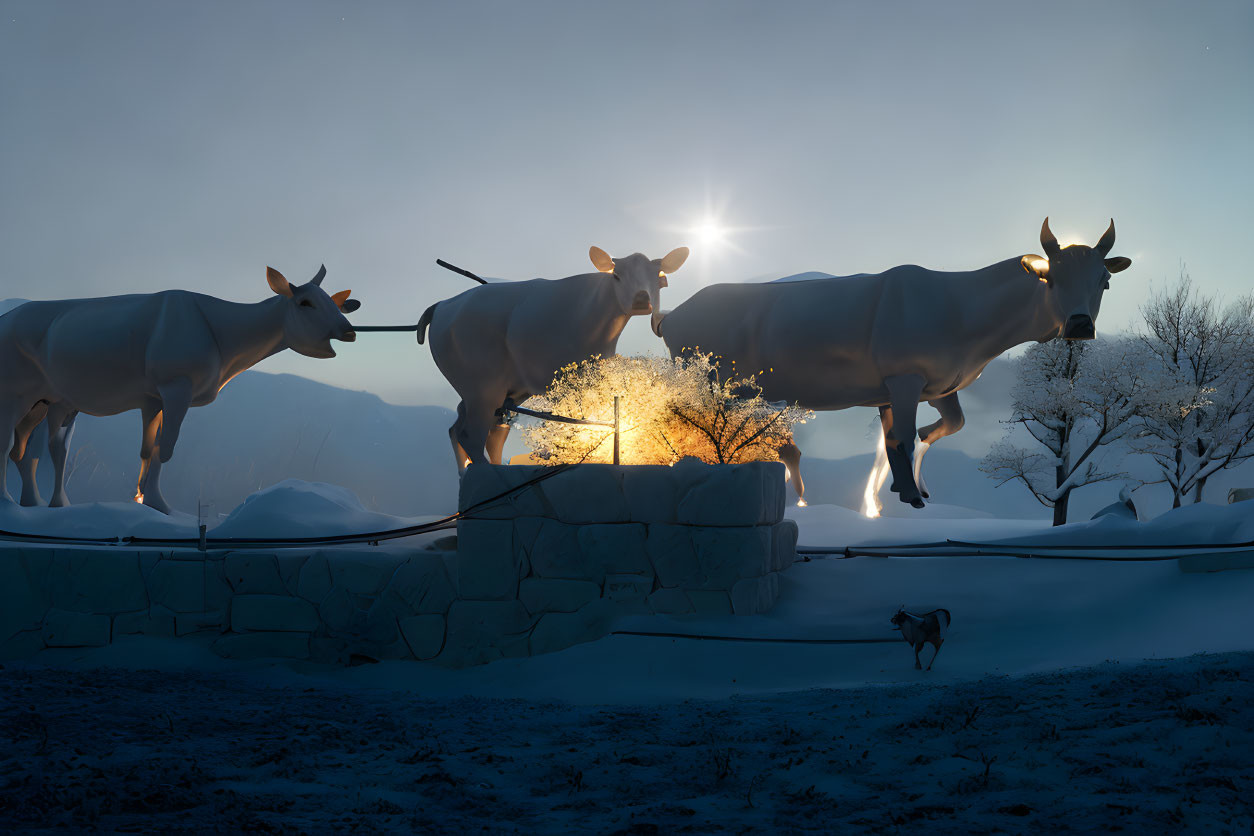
305 303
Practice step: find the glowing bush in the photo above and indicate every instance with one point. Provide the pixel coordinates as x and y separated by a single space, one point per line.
668 409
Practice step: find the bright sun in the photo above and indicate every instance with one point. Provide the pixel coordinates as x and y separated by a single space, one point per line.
710 233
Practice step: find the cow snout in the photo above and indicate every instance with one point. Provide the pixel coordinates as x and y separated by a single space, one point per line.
1079 327
641 303
349 337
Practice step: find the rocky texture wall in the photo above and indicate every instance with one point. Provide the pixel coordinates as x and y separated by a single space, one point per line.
552 566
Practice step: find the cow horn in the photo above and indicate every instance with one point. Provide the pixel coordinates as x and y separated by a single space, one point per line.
322 274
1048 241
1107 242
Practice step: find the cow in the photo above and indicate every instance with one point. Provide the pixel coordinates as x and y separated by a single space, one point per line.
160 353
894 339
500 343
918 630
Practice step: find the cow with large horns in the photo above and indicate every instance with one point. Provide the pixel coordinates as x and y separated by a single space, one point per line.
894 339
160 353
502 342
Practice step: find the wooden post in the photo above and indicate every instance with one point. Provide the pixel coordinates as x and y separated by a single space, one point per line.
616 429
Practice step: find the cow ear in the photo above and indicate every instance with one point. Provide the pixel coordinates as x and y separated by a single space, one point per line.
601 259
277 283
674 259
1117 265
1036 265
340 298
350 305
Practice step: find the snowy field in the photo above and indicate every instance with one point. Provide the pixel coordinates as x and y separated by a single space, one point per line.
1161 747
1070 696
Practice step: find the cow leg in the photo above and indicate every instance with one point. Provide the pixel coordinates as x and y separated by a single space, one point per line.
903 392
150 416
475 429
790 455
176 399
891 454
496 442
459 454
10 415
60 434
918 648
934 655
28 467
951 420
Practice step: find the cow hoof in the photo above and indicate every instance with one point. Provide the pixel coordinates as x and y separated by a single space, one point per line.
915 501
925 494
893 487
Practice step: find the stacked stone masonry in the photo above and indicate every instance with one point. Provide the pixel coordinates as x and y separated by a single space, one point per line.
547 567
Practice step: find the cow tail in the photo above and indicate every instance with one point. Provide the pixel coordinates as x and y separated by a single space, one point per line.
944 627
423 322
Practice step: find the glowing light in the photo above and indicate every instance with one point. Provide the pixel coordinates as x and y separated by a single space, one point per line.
871 506
139 497
710 234
801 503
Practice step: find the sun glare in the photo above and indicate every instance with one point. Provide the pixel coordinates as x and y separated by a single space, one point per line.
710 233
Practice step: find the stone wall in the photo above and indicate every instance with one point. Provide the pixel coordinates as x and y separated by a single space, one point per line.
549 567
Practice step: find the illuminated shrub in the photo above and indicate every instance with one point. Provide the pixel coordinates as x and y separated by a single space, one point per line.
668 409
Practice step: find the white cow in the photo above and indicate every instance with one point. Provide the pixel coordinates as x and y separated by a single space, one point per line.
896 338
161 353
501 343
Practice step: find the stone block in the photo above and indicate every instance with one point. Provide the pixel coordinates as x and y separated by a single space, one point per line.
63 628
156 621
218 592
709 601
186 623
558 554
482 482
628 589
587 493
290 564
278 613
728 554
614 549
178 585
380 628
313 583
253 573
652 493
755 596
361 572
673 555
783 545
735 495
559 630
341 613
424 634
670 602
420 585
540 595
97 581
23 600
488 566
480 631
280 645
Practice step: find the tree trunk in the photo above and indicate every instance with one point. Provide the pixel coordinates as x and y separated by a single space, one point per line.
1060 508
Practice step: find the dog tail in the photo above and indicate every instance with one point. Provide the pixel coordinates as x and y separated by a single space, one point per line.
423 322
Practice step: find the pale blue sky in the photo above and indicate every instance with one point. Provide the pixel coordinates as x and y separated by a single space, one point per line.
160 144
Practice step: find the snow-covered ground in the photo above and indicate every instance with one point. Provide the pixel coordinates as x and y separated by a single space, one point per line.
1161 747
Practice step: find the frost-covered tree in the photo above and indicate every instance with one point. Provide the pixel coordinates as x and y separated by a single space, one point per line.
1074 399
1204 420
668 409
